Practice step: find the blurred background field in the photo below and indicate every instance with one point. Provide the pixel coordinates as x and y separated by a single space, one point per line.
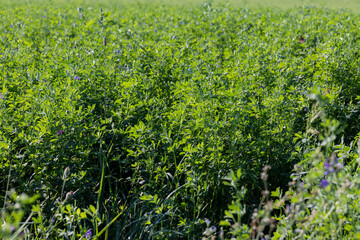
282 4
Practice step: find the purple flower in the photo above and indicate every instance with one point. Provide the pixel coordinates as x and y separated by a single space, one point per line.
12 26
213 229
261 86
330 166
287 209
118 51
44 16
60 132
327 165
155 30
1 96
76 78
88 234
324 183
207 221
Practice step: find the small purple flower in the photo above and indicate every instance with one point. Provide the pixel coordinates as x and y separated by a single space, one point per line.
339 166
207 221
324 183
261 86
1 96
88 234
60 132
213 229
12 26
76 78
287 209
44 16
118 51
327 165
155 30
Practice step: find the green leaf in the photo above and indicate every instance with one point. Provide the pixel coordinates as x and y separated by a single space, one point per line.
348 227
224 223
92 209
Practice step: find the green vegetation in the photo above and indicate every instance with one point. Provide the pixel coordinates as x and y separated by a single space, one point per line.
139 121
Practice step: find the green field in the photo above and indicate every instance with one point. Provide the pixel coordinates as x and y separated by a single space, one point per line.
179 120
354 5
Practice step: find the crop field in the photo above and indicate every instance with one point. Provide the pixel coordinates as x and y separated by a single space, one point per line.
185 120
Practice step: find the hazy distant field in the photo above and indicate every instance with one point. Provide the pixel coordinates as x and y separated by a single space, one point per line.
284 4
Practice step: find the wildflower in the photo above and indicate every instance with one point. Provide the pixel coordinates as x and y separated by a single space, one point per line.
118 51
1 96
261 86
76 78
287 209
207 221
331 164
12 26
44 16
327 165
60 132
155 30
88 234
324 183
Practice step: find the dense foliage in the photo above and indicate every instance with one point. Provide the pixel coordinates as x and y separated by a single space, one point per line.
141 122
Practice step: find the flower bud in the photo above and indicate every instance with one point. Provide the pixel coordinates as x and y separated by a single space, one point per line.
69 195
66 172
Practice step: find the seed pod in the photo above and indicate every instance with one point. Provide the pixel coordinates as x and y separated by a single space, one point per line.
69 195
105 41
66 173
